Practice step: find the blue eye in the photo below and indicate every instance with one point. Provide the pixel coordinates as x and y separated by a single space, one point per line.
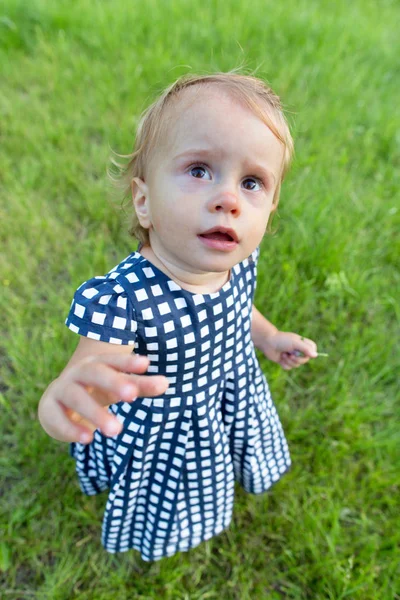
252 184
200 172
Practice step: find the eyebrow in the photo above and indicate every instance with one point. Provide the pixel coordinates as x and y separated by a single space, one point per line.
204 152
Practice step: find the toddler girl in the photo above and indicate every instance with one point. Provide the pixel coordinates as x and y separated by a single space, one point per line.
164 400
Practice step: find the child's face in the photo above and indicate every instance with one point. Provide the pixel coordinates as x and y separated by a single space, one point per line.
217 166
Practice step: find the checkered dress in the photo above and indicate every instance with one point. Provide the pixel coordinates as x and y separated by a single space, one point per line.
171 471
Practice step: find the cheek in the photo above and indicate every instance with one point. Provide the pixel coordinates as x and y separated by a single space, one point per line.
174 206
260 209
259 231
259 220
172 216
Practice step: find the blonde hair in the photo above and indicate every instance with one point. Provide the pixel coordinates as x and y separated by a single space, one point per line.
249 90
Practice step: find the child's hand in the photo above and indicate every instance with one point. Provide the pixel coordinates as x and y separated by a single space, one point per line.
75 404
281 348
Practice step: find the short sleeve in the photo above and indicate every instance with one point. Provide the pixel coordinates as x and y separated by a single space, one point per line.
101 310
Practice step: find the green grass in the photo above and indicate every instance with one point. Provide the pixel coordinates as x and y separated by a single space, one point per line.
74 78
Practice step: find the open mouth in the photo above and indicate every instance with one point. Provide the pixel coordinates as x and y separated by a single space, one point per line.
221 234
220 238
218 235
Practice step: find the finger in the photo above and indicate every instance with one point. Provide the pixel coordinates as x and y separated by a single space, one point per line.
102 397
312 345
300 360
285 366
106 380
71 432
153 385
308 347
129 363
78 419
284 362
75 397
122 386
292 361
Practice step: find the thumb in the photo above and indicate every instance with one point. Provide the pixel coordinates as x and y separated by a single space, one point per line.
305 347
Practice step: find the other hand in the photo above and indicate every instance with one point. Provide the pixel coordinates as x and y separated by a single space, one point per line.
76 403
281 347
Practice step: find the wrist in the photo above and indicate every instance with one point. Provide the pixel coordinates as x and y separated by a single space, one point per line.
265 341
261 330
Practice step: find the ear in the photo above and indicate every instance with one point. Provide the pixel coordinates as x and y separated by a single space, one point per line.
140 195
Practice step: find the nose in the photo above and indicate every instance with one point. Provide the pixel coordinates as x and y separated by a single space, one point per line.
225 201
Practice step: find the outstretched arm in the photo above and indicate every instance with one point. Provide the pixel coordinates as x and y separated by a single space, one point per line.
98 374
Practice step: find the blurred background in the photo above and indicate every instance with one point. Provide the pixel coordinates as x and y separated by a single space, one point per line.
75 77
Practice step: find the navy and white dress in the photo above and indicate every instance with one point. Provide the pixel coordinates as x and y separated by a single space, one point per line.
171 471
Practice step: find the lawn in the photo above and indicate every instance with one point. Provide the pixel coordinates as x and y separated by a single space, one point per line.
75 77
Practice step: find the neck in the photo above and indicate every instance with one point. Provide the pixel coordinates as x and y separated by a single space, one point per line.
197 283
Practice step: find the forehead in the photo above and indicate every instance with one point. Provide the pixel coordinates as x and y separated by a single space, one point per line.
211 117
212 104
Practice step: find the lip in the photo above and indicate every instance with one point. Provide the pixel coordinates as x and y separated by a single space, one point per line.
227 230
224 245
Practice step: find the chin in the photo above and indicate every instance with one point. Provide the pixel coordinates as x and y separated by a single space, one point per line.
219 264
